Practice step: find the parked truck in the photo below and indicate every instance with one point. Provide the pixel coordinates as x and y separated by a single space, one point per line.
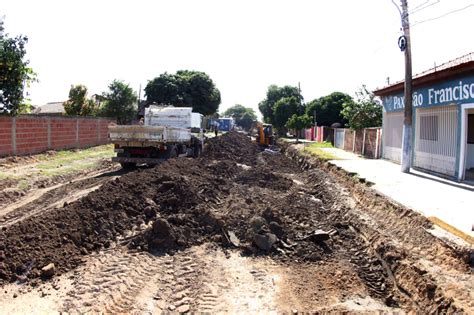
165 132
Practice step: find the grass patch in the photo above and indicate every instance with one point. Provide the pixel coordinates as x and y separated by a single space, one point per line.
324 144
317 149
67 161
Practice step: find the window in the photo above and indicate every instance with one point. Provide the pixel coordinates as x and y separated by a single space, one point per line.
429 128
470 128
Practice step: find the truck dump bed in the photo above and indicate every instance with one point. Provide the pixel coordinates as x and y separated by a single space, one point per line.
148 134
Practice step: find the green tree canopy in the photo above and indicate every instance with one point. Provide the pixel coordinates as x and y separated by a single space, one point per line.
236 111
185 89
247 119
274 94
120 102
78 104
299 122
283 110
244 116
14 74
364 112
328 108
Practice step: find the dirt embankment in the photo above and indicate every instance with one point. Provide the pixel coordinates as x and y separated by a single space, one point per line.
236 195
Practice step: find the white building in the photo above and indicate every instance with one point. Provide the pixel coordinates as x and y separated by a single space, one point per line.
443 119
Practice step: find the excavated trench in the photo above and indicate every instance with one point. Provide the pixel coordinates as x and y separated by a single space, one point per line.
279 204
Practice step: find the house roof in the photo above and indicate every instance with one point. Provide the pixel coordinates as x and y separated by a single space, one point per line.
50 108
448 70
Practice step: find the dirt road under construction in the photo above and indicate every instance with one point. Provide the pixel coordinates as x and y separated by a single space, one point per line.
238 229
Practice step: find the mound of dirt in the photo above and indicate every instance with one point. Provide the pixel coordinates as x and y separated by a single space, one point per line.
179 203
232 146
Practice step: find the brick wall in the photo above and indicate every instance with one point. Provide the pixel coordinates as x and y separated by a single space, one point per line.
29 134
63 133
349 140
5 136
359 141
366 142
370 146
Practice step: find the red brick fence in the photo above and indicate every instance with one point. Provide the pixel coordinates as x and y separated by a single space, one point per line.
29 134
366 142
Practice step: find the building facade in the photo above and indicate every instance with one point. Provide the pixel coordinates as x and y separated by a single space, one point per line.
443 119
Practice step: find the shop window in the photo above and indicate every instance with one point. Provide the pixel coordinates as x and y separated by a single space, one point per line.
470 129
429 128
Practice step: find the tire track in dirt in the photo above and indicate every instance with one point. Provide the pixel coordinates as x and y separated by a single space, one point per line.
415 261
46 199
199 279
112 281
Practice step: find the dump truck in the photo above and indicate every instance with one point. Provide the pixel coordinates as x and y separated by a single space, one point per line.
164 132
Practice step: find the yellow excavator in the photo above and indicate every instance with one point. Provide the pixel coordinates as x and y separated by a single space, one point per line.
265 135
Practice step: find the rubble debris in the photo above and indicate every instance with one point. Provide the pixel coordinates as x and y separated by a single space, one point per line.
48 270
319 236
233 239
265 241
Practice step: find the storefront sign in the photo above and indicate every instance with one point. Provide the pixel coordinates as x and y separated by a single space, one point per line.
452 92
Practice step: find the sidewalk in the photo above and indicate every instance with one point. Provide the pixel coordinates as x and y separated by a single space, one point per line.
442 201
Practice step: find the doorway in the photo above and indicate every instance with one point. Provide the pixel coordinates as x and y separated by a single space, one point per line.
466 156
469 168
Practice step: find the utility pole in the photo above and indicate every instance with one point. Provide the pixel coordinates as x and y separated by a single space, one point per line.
407 122
139 94
300 100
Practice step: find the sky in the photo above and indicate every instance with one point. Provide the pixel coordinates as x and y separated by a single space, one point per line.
244 46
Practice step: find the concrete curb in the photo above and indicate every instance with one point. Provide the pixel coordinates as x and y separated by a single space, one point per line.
451 229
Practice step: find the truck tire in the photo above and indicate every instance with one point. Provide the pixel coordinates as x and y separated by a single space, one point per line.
172 152
128 165
197 150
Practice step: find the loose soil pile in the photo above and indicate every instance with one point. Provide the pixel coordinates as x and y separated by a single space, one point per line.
236 195
232 196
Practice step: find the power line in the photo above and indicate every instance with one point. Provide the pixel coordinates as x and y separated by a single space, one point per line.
443 15
423 6
394 34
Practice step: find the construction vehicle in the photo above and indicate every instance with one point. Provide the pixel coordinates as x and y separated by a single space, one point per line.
165 132
265 135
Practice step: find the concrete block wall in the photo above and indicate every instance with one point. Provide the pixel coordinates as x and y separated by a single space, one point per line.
30 134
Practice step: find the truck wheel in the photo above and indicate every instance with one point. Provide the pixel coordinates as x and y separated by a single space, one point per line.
128 165
173 152
197 150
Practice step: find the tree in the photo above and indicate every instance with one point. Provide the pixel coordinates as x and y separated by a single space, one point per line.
274 94
120 102
364 112
244 116
236 111
299 123
185 89
78 104
15 74
283 110
247 119
328 108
